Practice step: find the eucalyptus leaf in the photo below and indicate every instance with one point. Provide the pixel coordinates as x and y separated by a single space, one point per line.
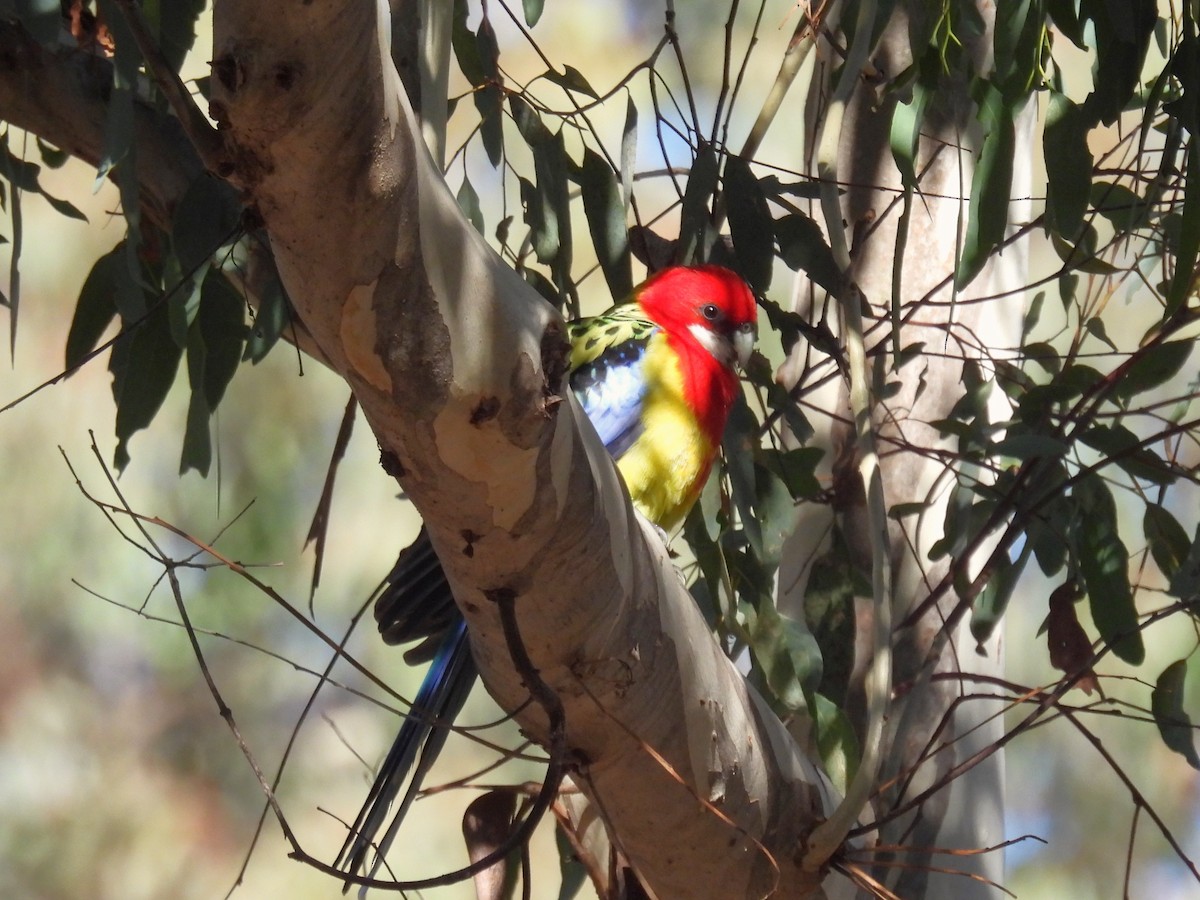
1166 704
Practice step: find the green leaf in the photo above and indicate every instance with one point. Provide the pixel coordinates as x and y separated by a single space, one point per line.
1169 544
797 468
837 742
750 223
197 443
802 246
628 151
905 132
1124 209
787 656
696 232
222 324
547 203
143 363
1104 564
466 47
1068 165
533 11
1032 316
571 79
572 872
489 100
207 218
1153 366
270 319
990 186
468 202
96 307
1095 327
177 28
52 156
1124 448
991 604
605 213
1166 704
1185 582
1122 33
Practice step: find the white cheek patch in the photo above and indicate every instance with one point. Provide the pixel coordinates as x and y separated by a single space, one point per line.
716 344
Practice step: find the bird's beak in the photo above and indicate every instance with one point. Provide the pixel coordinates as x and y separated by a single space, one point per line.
743 343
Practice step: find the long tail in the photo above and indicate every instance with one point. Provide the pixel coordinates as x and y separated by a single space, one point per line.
416 605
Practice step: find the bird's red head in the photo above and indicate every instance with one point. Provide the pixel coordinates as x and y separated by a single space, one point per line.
709 304
709 317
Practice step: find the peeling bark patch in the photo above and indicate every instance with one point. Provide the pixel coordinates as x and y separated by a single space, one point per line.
287 74
358 336
226 70
556 356
390 463
485 410
470 537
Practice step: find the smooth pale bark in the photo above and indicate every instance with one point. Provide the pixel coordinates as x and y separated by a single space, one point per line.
969 814
458 368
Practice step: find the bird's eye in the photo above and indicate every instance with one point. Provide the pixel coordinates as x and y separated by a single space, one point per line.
710 311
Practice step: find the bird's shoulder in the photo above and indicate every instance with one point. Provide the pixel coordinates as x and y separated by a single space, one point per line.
606 338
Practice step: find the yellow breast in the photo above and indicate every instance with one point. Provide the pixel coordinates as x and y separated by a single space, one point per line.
667 465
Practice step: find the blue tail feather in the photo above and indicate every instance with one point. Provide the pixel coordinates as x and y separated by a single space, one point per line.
417 745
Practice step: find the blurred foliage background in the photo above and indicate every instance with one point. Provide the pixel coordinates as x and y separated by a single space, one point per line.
118 778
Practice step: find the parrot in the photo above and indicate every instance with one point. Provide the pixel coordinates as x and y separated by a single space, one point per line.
656 377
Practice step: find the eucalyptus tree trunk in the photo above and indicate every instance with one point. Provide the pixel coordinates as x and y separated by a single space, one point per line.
927 712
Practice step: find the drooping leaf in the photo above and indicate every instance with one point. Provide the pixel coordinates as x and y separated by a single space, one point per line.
1168 541
533 11
207 218
1166 704
1124 209
468 202
222 325
628 151
837 742
1070 649
1152 367
177 28
1032 316
1068 165
696 233
786 654
270 319
197 442
750 223
572 872
1122 33
1185 582
489 100
802 246
990 186
1104 564
905 133
571 79
96 307
1124 448
992 602
143 364
605 211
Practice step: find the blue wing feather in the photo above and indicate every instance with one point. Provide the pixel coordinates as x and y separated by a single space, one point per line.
611 389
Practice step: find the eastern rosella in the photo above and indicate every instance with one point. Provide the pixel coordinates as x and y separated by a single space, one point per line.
656 377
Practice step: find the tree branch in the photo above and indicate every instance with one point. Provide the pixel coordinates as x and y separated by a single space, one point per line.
458 368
